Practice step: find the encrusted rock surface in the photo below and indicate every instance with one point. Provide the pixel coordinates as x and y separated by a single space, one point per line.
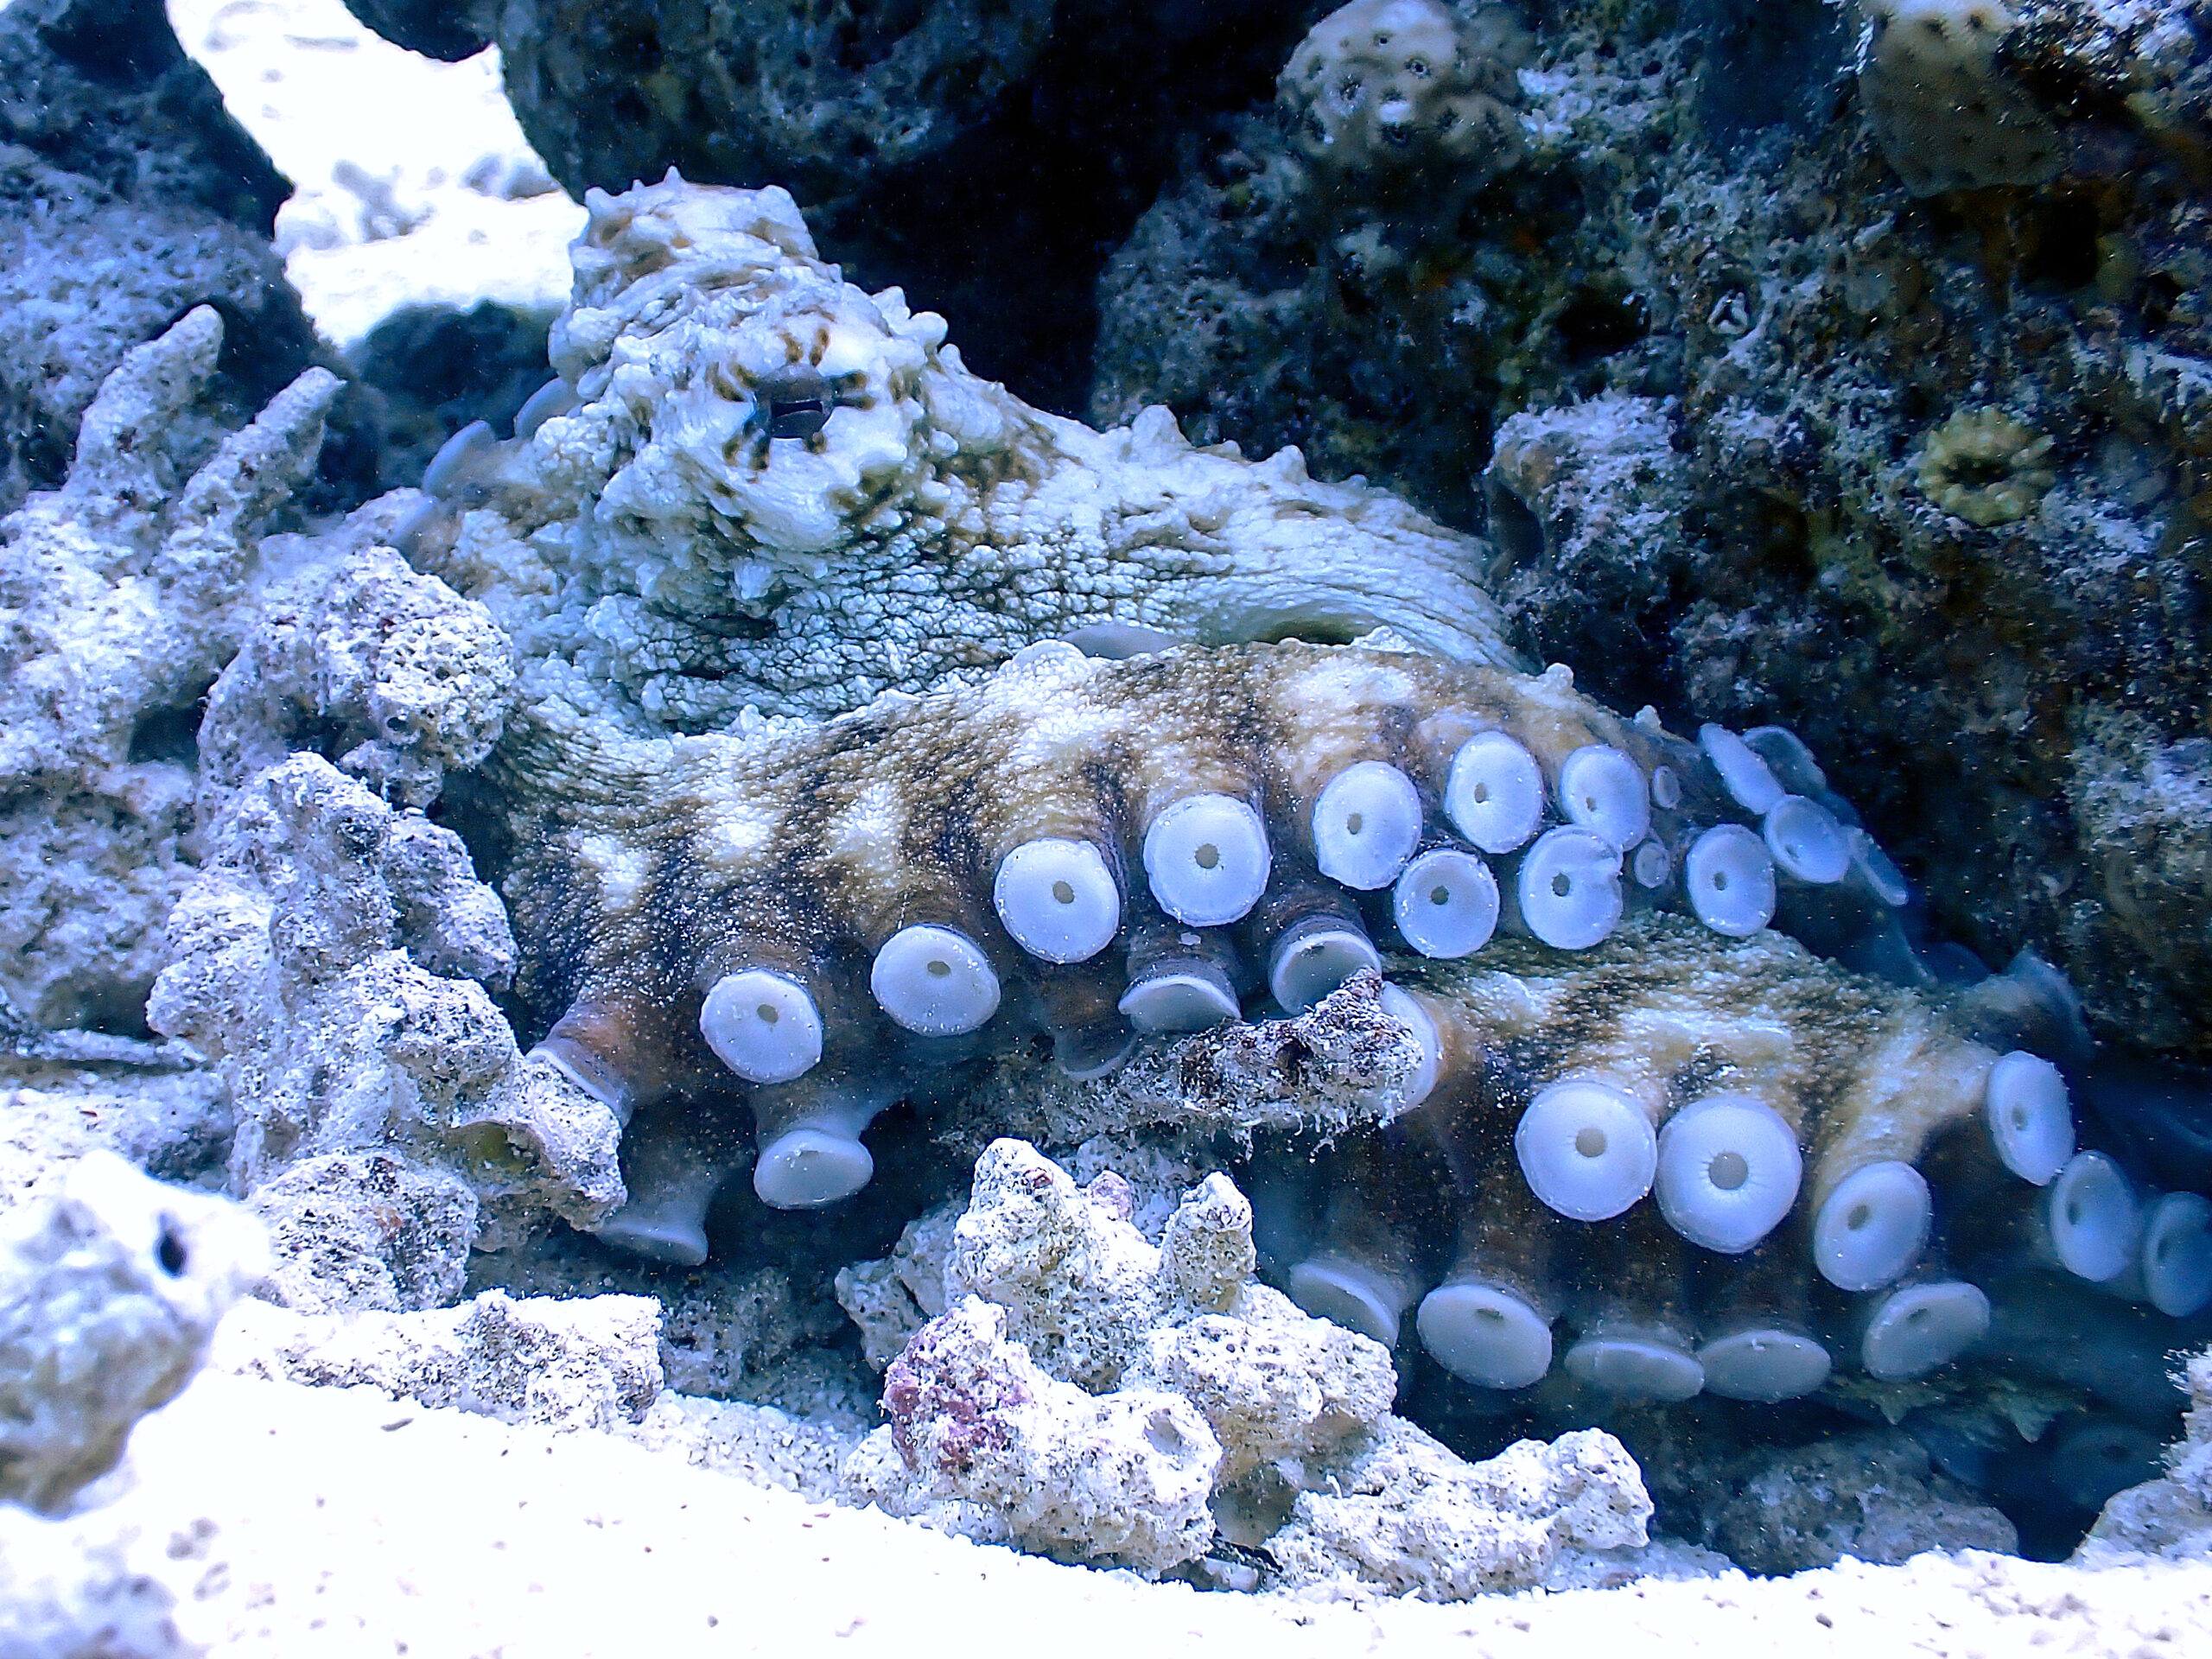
128 195
110 1291
1090 1395
1706 339
315 961
1406 1514
126 592
583 1363
1869 1497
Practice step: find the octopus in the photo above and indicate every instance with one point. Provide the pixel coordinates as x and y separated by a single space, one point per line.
878 729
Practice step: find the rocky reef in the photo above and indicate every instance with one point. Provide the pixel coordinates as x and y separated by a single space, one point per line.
1829 365
796 820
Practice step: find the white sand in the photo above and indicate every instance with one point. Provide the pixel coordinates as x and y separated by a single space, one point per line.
321 92
293 1522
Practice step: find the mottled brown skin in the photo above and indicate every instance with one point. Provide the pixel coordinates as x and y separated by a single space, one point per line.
643 872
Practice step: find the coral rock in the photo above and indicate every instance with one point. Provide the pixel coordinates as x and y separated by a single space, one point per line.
1871 1498
295 966
126 591
110 1291
1405 1514
1122 1476
589 1363
1946 114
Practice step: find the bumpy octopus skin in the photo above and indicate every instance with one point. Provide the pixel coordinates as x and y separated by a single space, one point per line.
1648 1138
756 485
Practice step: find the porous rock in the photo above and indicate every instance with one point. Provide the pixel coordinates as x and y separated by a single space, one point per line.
102 88
723 1328
588 1363
2171 1515
1871 1497
1066 1323
1344 1062
364 1230
394 672
1120 1476
890 1299
128 195
126 591
1403 92
1405 1514
1946 112
110 1291
303 966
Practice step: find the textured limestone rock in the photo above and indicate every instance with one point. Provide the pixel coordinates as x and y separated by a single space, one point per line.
891 1298
314 962
590 1362
394 672
1947 115
1120 1476
1402 92
128 195
101 88
1404 1514
1871 1497
124 593
1099 1307
1211 1404
110 1291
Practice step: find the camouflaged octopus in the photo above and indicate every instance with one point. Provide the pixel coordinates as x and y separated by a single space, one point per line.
880 727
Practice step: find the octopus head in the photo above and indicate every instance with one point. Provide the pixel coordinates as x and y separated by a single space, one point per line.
735 393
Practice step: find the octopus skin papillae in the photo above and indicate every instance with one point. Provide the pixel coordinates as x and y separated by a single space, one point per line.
1649 1137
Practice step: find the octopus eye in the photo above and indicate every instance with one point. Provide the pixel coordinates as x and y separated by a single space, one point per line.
796 401
170 1250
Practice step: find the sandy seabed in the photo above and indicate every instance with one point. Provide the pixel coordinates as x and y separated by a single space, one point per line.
289 1520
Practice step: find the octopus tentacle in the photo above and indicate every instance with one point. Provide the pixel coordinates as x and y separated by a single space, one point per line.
1649 1144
